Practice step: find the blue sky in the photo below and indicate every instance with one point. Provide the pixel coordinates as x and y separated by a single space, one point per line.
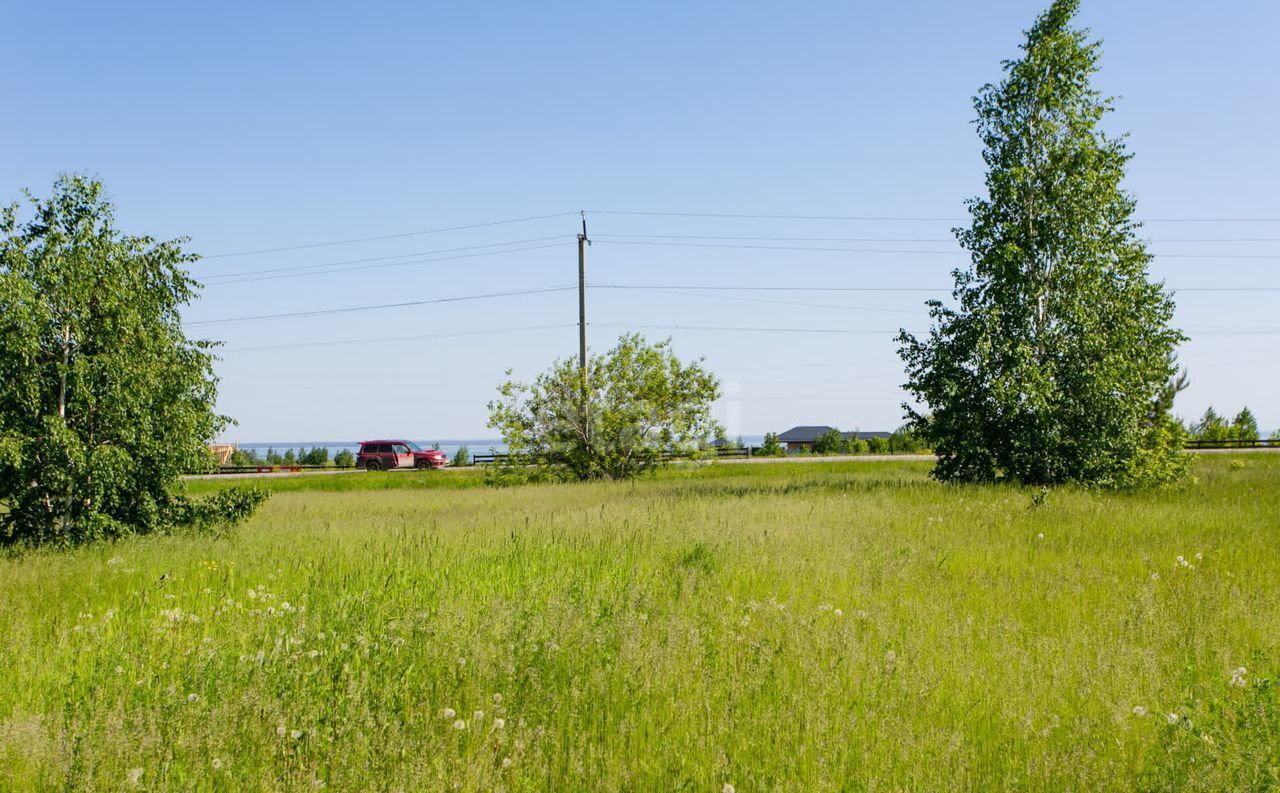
247 126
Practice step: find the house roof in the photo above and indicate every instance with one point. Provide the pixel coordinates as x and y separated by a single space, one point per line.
809 433
804 434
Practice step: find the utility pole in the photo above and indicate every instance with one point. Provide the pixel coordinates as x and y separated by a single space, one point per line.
583 242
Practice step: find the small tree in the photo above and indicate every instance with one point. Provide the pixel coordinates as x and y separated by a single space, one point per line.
771 447
1211 427
1244 427
1046 369
316 456
829 442
273 457
462 457
104 401
642 404
904 441
290 458
344 459
245 457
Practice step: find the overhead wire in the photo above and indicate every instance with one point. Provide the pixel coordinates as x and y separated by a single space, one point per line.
387 339
293 274
400 235
383 306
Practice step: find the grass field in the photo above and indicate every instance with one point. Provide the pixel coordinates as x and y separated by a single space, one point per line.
849 626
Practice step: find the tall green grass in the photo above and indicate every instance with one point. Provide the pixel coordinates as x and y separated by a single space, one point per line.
848 626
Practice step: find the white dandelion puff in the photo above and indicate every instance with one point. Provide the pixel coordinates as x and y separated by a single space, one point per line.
448 713
459 725
1172 718
499 723
506 762
1138 710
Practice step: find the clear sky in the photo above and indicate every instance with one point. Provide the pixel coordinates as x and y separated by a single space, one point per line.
249 126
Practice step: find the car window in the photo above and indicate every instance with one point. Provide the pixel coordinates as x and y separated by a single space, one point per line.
415 447
377 448
400 448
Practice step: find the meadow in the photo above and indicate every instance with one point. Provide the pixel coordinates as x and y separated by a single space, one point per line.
822 627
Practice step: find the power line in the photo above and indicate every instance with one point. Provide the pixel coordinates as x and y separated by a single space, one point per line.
937 290
406 304
758 300
387 339
900 250
744 329
390 236
383 266
300 268
887 218
750 238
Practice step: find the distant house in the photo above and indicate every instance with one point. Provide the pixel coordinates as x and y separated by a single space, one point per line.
802 438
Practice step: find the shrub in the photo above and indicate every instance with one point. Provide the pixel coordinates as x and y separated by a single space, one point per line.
462 457
316 456
637 405
771 447
344 459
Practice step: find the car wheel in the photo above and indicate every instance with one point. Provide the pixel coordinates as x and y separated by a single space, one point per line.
373 465
424 465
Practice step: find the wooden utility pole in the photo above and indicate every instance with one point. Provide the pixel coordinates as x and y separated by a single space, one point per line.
583 242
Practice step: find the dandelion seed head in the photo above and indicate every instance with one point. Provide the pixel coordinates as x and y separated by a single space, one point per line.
499 723
506 762
448 713
1172 718
459 725
1138 710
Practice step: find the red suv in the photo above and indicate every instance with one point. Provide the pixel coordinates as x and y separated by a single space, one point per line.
381 455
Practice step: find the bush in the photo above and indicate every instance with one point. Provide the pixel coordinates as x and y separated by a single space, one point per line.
638 406
344 459
317 456
462 457
904 441
829 442
220 511
771 446
245 458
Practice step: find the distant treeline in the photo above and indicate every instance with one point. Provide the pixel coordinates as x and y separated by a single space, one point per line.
1215 428
834 442
318 455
